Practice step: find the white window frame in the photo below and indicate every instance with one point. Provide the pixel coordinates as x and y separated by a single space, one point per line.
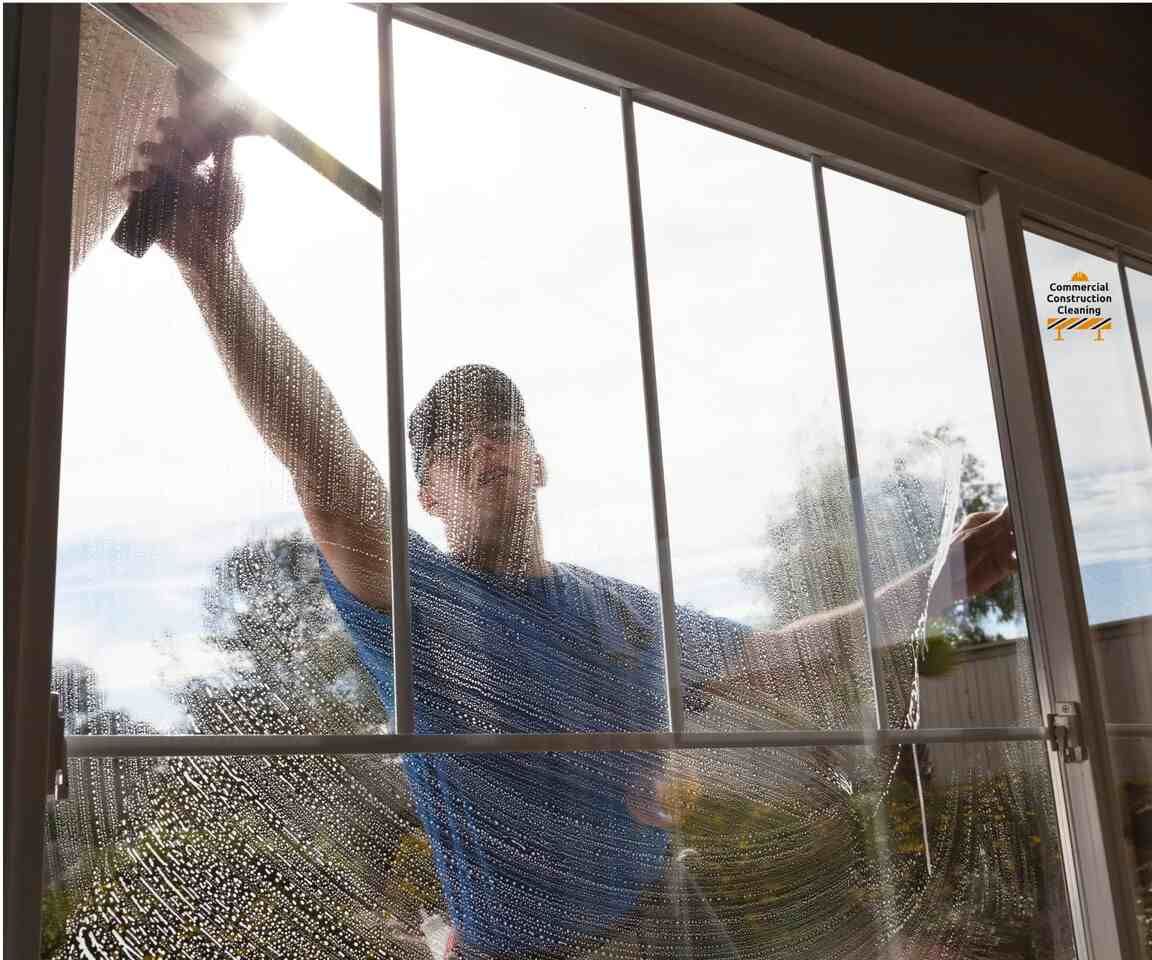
638 70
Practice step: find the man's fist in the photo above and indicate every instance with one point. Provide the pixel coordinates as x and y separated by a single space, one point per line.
208 200
981 554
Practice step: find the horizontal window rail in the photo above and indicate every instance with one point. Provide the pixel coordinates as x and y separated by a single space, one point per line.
89 746
1128 729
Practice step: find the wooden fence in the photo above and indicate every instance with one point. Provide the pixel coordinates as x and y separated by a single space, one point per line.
994 684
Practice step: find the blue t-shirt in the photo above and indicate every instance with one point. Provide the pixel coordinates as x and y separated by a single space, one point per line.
534 850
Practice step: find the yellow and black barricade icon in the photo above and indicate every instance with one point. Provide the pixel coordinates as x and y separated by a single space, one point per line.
1083 324
1080 291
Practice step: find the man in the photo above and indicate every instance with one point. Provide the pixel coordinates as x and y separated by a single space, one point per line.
539 855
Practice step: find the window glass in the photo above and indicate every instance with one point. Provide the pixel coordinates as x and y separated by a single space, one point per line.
752 429
186 574
533 555
196 596
752 441
797 853
1103 434
925 432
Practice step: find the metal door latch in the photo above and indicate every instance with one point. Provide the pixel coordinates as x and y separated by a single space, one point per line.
57 755
1064 733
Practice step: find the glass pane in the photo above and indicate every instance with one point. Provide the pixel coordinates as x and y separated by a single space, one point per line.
532 551
187 577
789 854
926 431
125 87
1107 459
1104 444
755 493
761 512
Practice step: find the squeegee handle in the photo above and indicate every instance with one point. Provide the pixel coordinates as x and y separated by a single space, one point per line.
148 216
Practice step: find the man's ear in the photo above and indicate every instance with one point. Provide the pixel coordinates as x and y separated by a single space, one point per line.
539 471
428 500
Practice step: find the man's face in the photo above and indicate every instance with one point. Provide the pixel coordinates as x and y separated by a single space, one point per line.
482 479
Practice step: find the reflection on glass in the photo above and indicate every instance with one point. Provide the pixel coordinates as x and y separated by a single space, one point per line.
798 853
922 405
186 578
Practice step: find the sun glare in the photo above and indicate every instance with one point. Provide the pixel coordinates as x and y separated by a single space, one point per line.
315 66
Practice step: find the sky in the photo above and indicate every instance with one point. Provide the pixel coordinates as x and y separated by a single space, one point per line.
515 251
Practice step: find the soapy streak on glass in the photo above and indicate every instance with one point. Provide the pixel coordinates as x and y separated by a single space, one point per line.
783 853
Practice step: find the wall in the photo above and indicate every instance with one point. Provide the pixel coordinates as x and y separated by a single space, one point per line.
1081 74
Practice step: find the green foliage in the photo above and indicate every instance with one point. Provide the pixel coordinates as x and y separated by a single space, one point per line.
1137 796
267 613
56 907
937 653
254 845
411 879
811 566
812 550
799 878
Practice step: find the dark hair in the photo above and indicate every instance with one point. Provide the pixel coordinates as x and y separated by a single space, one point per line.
461 398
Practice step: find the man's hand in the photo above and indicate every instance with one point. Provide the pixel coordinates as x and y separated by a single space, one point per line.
209 202
982 553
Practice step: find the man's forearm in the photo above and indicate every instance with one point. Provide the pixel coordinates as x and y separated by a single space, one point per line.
284 396
783 649
913 584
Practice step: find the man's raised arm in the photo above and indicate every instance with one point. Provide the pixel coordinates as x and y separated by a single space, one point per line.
981 554
340 490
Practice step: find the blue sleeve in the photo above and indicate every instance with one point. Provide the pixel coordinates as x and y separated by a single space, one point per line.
711 647
370 628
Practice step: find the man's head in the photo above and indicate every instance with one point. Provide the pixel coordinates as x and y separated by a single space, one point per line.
474 456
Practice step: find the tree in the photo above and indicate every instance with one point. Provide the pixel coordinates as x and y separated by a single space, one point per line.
267 613
291 856
810 562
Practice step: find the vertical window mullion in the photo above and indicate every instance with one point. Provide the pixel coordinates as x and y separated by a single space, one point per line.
863 552
1137 351
867 588
673 690
38 211
402 719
